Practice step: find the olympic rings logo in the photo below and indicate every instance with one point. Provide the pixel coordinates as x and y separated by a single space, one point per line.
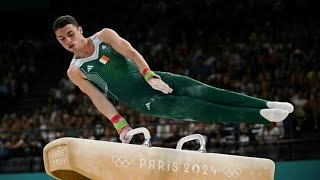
121 161
232 172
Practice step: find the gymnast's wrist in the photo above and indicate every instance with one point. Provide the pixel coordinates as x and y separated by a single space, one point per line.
119 123
147 74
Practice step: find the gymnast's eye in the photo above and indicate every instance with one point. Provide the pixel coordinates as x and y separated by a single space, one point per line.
70 34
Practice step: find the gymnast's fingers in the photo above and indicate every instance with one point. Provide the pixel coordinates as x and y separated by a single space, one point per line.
165 87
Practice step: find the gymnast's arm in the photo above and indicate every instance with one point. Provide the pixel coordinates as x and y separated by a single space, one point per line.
123 47
99 100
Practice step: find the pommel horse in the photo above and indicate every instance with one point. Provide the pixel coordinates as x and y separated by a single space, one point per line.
81 159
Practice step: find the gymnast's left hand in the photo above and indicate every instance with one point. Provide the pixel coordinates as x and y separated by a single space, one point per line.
156 83
123 135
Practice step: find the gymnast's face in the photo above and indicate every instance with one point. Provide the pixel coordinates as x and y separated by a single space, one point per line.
70 37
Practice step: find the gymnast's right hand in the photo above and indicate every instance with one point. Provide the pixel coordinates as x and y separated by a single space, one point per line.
155 81
123 133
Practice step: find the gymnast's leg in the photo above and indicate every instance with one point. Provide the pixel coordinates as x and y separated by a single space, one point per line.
181 107
185 86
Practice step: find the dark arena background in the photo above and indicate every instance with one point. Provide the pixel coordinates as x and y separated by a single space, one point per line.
263 48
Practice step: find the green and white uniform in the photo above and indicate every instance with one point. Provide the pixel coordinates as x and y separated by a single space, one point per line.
119 78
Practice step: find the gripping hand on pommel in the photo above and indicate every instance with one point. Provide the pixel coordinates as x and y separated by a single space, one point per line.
123 133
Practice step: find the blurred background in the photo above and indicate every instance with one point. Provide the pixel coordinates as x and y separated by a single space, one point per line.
264 48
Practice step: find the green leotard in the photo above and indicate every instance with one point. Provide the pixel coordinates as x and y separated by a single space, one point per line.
119 78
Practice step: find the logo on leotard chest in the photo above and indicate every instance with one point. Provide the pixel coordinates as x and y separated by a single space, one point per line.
105 48
89 67
104 59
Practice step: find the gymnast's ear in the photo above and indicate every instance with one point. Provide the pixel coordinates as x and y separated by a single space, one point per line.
80 29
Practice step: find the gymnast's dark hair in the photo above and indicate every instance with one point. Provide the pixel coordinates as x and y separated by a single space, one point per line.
62 21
